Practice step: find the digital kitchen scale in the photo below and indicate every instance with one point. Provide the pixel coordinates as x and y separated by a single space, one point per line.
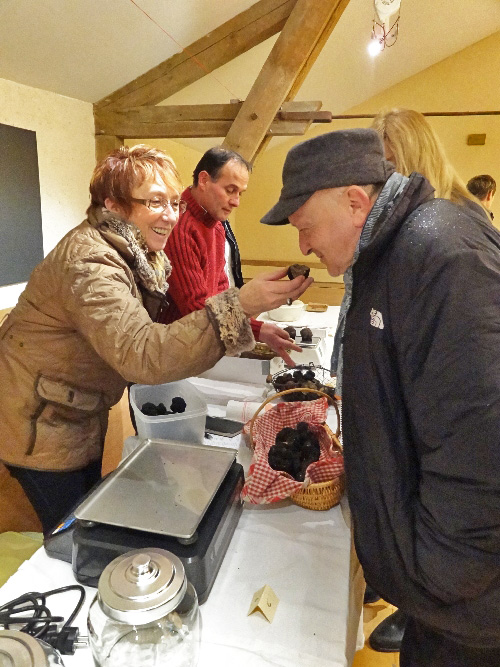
177 496
313 352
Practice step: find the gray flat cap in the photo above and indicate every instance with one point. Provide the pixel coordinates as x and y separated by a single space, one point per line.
332 160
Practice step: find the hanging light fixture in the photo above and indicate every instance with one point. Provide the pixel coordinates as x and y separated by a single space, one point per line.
385 25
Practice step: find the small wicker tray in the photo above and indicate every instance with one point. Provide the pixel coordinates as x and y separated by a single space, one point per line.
322 495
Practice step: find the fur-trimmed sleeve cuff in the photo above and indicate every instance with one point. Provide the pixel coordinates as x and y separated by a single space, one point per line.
230 322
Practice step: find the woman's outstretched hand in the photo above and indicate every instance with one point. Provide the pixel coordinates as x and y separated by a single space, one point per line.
267 291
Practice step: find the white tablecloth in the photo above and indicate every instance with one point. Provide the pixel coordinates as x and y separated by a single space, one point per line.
303 555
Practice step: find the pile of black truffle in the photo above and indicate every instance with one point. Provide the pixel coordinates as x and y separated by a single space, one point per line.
305 334
178 405
294 450
301 379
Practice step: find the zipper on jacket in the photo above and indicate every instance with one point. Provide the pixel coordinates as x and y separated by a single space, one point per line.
33 424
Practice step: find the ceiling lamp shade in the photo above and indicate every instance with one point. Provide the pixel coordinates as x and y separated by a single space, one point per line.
385 26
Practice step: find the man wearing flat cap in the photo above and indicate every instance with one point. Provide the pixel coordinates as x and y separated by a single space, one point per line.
417 358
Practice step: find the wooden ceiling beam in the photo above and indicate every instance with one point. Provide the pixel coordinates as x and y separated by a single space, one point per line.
307 29
154 120
112 121
234 37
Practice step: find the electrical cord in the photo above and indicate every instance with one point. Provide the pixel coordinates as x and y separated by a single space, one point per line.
31 612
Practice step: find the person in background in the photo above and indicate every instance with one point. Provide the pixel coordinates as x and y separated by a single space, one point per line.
85 326
484 188
421 387
411 145
197 244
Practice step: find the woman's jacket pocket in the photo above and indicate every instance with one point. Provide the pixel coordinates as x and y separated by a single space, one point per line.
68 424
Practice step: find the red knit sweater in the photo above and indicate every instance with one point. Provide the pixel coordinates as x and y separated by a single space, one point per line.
195 249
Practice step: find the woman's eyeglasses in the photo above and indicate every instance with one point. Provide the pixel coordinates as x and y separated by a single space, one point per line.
161 205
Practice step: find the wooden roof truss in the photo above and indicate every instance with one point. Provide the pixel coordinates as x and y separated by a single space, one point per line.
269 109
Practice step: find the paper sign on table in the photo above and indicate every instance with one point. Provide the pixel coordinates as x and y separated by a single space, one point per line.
266 601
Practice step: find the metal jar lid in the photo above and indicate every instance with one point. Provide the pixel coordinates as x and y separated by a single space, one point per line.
142 586
18 649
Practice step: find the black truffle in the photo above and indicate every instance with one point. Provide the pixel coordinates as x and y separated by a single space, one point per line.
178 404
294 451
306 335
298 270
291 331
149 409
287 436
302 428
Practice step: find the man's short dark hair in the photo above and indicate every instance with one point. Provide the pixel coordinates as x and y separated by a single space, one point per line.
480 186
213 161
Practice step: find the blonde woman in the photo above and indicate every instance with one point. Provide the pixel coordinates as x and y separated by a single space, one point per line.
412 145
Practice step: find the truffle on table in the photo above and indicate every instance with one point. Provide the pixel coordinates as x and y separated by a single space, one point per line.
291 331
306 335
298 270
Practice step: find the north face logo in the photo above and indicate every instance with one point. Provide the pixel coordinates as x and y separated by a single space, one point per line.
376 319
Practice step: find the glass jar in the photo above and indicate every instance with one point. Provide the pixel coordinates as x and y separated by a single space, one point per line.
18 649
145 613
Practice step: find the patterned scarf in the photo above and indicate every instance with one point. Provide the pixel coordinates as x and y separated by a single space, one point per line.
383 204
151 268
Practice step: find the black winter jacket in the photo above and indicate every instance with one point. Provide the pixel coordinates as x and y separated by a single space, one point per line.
421 414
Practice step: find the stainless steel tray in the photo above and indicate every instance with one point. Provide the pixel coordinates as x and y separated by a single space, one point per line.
313 344
164 487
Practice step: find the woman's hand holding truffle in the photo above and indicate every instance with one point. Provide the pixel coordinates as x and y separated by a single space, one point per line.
279 341
267 291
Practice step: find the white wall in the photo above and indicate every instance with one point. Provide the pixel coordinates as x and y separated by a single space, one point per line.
66 156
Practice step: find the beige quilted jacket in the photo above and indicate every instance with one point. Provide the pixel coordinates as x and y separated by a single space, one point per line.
81 330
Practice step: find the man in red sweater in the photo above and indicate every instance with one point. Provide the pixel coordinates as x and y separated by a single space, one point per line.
196 245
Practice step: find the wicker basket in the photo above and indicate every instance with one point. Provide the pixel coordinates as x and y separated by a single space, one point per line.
322 495
322 375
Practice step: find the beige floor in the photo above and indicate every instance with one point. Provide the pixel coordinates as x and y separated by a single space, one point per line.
373 614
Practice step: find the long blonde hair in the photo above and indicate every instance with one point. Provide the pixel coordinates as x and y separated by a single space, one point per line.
415 147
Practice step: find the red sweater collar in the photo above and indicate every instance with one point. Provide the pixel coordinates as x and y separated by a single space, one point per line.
197 210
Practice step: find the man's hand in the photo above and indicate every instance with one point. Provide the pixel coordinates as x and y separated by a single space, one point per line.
279 341
267 291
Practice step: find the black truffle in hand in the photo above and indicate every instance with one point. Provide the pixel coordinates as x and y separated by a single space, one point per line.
298 270
291 331
178 404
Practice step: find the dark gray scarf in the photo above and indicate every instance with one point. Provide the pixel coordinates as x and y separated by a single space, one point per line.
383 204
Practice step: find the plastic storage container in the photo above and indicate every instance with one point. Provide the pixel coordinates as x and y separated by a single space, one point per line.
145 613
188 426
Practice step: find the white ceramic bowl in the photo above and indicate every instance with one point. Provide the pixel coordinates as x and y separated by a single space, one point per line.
287 313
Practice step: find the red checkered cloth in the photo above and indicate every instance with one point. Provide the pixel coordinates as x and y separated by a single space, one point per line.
265 485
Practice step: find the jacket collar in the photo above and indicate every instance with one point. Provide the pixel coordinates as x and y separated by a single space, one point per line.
418 190
196 210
